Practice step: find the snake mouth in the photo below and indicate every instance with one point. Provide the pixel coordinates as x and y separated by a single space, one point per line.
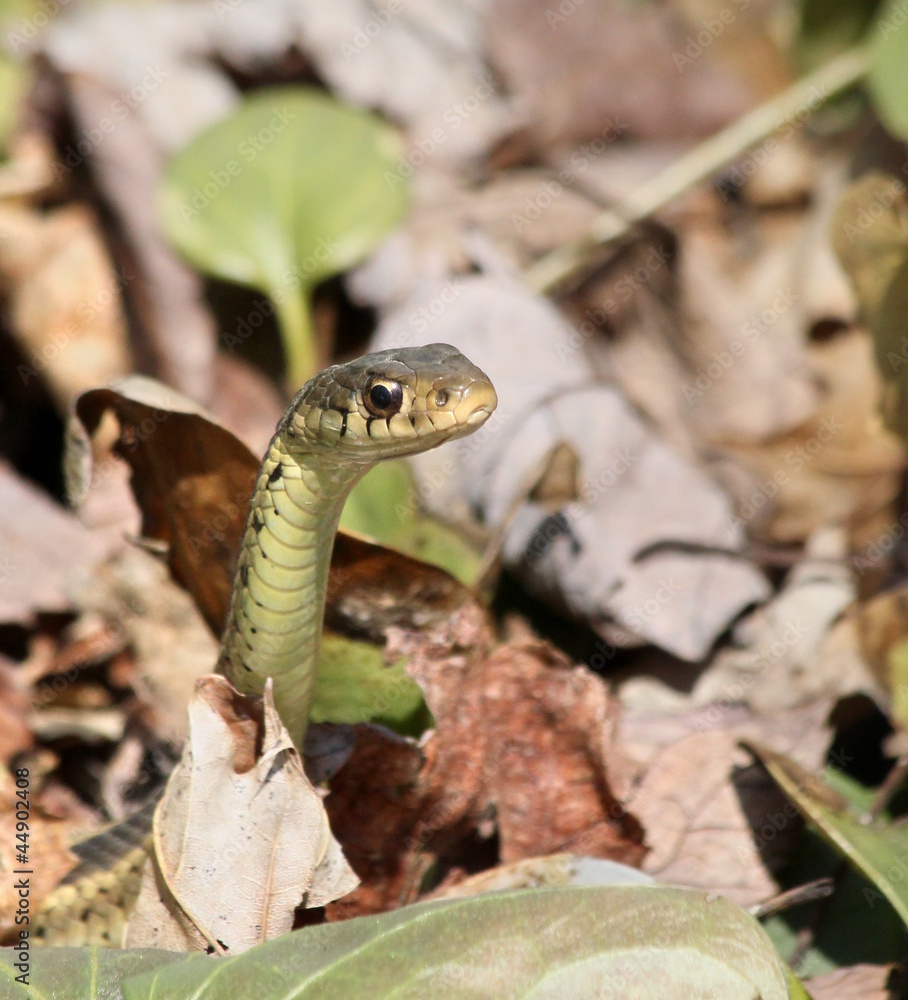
476 405
478 417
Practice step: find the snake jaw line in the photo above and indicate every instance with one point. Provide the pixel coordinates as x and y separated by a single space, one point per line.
340 424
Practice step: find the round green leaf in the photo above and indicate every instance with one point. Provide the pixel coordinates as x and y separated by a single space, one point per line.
620 942
888 74
290 189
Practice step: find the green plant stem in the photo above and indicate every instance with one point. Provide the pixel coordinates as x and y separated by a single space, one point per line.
294 315
700 162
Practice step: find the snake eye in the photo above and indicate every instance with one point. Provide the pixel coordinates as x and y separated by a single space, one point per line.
383 398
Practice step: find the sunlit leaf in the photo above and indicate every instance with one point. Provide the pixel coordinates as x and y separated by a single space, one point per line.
289 190
877 848
386 507
618 941
355 684
888 74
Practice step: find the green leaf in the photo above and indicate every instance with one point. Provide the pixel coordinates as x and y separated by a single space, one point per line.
13 80
290 189
795 987
621 941
888 74
877 849
855 925
354 684
384 507
87 973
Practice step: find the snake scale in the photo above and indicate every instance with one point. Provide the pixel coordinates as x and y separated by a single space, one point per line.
339 425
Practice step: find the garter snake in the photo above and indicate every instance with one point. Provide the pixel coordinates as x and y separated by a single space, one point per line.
339 425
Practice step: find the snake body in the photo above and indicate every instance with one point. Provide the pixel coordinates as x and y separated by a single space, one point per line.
340 424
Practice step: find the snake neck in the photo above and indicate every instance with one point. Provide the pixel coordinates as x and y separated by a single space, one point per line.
277 606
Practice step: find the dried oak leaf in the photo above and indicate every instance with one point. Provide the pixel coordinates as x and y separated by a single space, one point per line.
239 794
64 298
46 551
192 480
713 820
581 68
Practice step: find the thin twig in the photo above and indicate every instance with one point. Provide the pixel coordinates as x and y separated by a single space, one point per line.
801 98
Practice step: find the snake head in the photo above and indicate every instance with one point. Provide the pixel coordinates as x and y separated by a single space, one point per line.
397 402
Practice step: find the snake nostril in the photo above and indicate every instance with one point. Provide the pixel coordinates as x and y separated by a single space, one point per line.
441 397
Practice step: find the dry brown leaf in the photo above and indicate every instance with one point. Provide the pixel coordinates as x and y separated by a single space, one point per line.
46 552
423 65
870 233
171 644
579 66
552 766
524 744
192 480
839 467
775 660
714 821
698 832
744 330
65 299
241 836
15 734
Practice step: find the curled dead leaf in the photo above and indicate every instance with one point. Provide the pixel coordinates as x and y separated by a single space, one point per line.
241 837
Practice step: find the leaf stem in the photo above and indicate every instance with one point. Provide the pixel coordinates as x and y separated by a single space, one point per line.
294 314
801 98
